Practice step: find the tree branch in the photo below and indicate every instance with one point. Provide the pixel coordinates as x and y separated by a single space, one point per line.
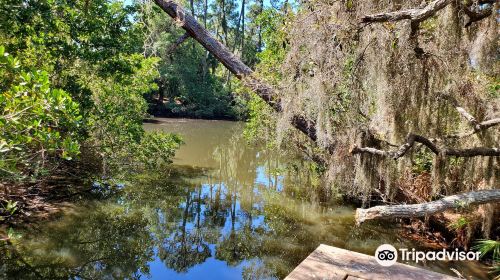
428 208
476 16
416 15
412 138
477 126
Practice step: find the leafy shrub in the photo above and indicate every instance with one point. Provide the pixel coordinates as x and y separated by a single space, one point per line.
37 123
157 149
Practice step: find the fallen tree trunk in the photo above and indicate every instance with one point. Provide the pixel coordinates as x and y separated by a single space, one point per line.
233 63
428 208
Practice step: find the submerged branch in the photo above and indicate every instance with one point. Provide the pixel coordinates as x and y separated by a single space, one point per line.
428 208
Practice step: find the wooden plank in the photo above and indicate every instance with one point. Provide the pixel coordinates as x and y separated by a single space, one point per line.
350 277
327 262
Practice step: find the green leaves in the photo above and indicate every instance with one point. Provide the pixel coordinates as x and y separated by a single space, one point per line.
157 149
8 208
77 78
490 247
39 123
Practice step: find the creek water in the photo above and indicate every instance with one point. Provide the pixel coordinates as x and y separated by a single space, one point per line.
223 210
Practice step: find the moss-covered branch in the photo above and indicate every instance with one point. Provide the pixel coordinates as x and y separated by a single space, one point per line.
429 143
417 15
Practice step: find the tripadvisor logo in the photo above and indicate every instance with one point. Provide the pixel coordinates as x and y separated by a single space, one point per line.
387 255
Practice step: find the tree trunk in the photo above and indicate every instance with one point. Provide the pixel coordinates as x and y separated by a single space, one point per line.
242 26
233 63
423 209
191 3
205 57
259 42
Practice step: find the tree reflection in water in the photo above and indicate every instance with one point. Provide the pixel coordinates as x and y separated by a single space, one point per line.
241 207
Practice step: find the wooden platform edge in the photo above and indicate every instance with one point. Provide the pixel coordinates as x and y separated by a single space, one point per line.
328 262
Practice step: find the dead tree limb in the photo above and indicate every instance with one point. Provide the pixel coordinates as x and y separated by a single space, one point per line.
416 15
428 208
476 16
233 63
489 123
411 139
475 124
477 128
177 43
461 110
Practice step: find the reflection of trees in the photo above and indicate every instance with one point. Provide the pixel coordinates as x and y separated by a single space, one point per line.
107 242
184 249
241 243
267 227
173 207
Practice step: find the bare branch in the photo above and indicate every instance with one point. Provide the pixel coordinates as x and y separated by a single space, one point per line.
476 125
489 123
416 15
476 16
412 138
428 208
467 116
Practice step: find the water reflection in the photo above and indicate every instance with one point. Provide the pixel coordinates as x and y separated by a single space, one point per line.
223 211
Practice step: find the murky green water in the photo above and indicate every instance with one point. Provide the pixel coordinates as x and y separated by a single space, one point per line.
223 211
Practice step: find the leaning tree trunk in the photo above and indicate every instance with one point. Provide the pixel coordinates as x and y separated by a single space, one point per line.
233 63
423 209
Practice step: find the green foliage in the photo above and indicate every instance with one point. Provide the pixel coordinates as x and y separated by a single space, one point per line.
459 224
115 121
38 122
9 207
422 161
494 88
156 149
274 35
343 94
259 126
492 247
192 82
488 246
77 79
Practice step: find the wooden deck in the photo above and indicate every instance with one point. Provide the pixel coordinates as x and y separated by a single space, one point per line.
332 263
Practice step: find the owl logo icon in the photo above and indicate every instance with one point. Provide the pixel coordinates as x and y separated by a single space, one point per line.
386 255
